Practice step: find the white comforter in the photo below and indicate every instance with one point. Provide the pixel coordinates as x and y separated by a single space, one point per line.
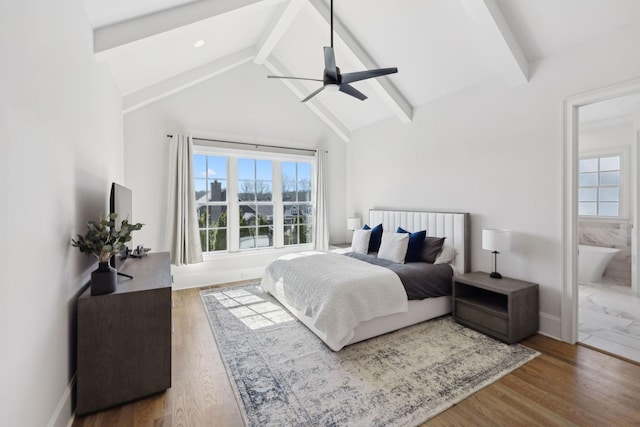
335 291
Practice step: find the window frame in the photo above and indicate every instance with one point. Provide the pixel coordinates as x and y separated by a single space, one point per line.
233 203
623 204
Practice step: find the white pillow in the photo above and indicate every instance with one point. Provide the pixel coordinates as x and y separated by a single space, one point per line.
394 247
360 241
447 255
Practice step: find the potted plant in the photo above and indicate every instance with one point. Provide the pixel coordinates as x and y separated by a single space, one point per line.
103 240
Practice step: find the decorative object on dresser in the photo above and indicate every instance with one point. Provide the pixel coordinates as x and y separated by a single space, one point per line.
283 375
124 338
496 241
506 309
104 240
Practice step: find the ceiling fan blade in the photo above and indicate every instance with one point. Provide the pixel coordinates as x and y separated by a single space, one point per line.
350 90
330 68
313 94
295 78
362 75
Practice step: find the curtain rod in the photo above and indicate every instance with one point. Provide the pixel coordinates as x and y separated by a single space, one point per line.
252 145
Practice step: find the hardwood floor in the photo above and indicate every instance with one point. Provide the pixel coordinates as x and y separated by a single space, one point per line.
566 385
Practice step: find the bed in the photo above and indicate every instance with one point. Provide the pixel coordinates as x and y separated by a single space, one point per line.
375 301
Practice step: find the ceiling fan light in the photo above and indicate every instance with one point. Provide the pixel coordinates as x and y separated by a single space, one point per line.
331 87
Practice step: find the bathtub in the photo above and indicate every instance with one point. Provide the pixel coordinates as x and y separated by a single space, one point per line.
592 261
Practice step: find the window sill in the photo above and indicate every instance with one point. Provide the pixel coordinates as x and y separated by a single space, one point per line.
256 252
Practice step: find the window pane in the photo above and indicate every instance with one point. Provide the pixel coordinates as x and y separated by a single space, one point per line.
264 237
610 163
247 215
290 235
306 234
609 194
288 181
217 216
608 209
218 191
588 165
263 191
201 190
247 242
218 239
587 208
203 240
216 167
202 216
588 179
265 215
247 191
304 171
199 166
610 178
290 213
587 195
264 170
246 169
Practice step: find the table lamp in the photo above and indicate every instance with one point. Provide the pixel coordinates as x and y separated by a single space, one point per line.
496 241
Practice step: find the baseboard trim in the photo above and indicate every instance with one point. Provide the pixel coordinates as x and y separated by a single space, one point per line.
550 326
59 417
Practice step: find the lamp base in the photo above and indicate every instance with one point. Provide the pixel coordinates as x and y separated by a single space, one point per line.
495 275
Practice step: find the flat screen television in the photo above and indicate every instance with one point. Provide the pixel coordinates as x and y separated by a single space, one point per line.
120 203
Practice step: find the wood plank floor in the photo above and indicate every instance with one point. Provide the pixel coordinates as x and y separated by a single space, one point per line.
567 385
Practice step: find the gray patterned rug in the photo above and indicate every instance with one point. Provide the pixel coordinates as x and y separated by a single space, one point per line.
285 376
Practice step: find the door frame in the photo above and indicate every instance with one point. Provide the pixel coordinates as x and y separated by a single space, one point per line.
569 301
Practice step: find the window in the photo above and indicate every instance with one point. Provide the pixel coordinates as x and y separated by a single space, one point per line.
210 176
255 195
249 203
296 203
599 186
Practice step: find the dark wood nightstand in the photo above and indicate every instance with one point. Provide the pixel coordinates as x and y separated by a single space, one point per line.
505 308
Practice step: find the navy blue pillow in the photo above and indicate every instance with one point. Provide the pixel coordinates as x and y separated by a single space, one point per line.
376 237
414 251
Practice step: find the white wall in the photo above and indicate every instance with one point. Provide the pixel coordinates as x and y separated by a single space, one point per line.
240 105
495 152
61 136
605 136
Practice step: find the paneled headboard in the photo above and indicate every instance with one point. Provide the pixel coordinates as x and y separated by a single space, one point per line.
452 225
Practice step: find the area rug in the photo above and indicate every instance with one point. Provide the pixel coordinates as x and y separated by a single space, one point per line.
284 375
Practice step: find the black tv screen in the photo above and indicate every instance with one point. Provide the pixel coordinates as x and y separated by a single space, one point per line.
120 203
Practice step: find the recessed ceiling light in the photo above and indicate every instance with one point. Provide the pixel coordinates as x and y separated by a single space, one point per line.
199 43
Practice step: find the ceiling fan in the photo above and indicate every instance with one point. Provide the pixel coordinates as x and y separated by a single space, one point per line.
333 80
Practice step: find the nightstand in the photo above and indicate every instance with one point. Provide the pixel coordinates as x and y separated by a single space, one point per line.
506 309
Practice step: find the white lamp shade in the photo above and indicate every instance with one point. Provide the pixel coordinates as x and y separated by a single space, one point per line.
354 223
496 240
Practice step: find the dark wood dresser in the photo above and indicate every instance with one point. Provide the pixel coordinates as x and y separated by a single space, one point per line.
124 338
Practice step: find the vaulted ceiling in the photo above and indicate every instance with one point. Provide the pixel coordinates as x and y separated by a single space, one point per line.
439 46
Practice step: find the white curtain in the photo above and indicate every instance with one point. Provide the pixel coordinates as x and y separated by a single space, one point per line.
322 224
183 218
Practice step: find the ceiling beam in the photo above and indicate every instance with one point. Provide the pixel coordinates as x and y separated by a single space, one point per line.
499 40
276 67
390 95
276 29
189 78
122 33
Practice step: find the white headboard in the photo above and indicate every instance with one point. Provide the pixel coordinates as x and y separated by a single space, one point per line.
452 225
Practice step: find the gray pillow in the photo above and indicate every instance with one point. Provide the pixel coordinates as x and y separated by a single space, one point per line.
430 248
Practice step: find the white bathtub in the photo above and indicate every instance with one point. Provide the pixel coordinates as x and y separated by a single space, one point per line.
592 261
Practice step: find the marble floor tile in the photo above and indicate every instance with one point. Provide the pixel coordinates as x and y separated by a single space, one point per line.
609 318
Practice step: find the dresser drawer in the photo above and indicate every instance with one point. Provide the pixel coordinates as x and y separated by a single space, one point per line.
474 314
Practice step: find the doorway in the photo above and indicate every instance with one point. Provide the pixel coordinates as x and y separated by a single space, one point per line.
608 312
581 205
